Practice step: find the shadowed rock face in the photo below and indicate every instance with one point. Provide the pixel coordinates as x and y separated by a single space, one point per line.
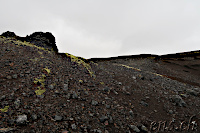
42 39
8 34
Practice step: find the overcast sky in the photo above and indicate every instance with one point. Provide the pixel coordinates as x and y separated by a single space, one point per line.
105 28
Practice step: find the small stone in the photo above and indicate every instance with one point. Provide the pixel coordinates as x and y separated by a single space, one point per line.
21 119
116 93
14 76
51 87
144 103
134 128
65 131
184 95
21 75
58 118
74 95
27 72
143 128
2 80
192 92
24 94
131 112
107 98
91 115
106 89
106 123
65 88
8 77
170 111
94 103
110 120
134 77
17 103
106 131
73 126
40 96
3 97
107 106
86 93
103 119
197 89
178 100
6 130
57 92
34 117
98 131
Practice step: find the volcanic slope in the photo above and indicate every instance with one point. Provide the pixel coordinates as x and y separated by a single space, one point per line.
44 91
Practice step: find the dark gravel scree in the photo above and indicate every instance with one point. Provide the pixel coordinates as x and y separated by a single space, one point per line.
43 91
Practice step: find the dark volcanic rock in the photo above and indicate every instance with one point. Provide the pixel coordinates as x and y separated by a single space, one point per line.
8 34
41 38
178 100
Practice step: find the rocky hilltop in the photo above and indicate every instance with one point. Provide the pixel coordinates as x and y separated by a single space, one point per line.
50 92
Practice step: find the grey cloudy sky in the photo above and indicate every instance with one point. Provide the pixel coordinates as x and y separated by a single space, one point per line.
104 28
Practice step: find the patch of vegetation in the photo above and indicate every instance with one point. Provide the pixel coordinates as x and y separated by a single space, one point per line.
80 81
47 70
5 109
82 62
40 81
129 67
40 91
39 52
34 60
102 83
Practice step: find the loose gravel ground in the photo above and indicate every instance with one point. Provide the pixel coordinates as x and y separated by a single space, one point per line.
135 95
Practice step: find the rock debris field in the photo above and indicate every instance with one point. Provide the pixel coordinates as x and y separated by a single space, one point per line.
43 91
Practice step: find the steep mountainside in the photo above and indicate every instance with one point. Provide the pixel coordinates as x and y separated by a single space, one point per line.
50 92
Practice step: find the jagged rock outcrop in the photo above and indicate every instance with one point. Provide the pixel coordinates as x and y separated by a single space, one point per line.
9 34
41 39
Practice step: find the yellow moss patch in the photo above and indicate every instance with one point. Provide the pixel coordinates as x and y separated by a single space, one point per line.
80 81
40 52
5 109
40 80
40 91
102 83
34 60
81 62
129 67
47 70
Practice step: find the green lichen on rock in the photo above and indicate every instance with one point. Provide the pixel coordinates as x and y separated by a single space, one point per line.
40 80
5 109
40 91
47 70
81 62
